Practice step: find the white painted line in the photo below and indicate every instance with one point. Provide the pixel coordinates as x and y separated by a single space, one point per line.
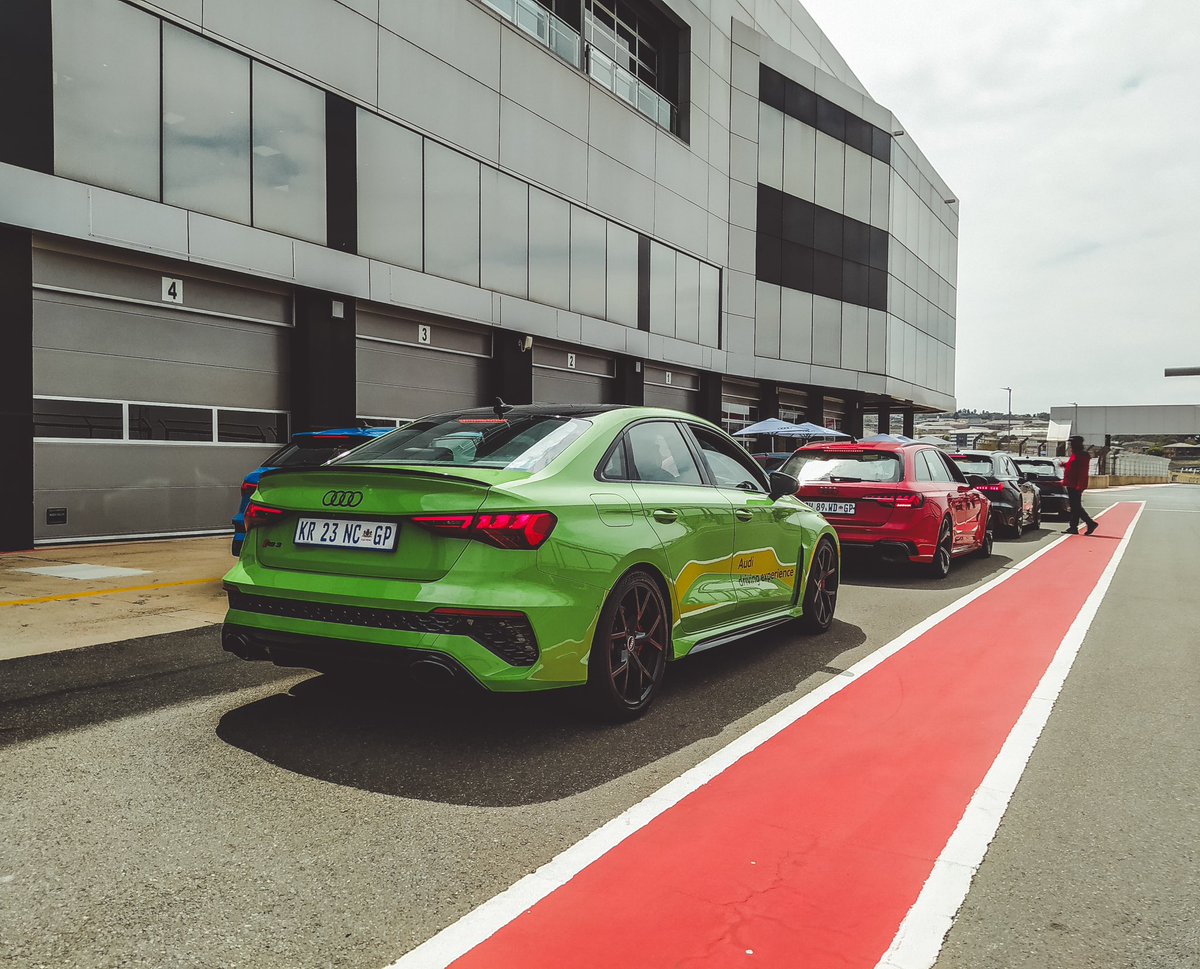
83 572
459 938
919 939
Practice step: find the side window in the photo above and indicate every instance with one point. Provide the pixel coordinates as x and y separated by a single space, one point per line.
614 468
660 454
924 471
730 468
952 470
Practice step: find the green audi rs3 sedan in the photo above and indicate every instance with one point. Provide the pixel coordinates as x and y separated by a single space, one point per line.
528 548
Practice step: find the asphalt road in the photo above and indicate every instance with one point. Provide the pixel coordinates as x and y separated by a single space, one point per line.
162 805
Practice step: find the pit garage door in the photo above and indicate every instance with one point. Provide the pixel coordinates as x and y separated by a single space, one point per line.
410 366
569 375
672 387
739 404
793 405
835 413
157 386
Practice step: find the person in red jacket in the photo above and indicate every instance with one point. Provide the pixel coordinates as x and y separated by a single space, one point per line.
1075 479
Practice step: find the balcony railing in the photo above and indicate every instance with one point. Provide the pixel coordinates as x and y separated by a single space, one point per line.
628 87
541 24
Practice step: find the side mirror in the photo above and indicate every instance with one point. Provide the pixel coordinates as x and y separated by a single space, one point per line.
976 480
782 484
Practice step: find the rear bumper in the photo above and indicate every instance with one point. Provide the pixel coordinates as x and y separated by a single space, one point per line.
896 541
541 641
325 655
1055 503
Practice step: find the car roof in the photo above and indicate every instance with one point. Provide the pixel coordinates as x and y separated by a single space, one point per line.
975 454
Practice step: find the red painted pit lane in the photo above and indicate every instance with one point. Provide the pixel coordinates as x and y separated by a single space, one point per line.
809 851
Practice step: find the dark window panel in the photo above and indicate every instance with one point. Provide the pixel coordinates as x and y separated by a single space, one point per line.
151 422
827 275
769 258
831 119
827 236
772 88
799 217
797 267
881 145
879 249
877 289
855 283
858 134
856 241
251 427
770 210
78 419
801 103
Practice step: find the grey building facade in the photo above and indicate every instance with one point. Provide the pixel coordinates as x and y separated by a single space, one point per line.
223 221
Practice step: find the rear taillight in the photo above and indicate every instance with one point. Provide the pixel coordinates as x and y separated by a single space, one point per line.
990 488
522 530
248 488
903 499
261 515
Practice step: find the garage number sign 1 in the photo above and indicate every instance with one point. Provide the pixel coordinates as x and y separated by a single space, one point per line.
172 290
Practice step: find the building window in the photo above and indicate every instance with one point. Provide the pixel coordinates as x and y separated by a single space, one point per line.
78 419
115 420
106 76
289 155
635 52
206 126
251 427
154 422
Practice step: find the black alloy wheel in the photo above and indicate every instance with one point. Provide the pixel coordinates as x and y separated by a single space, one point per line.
1018 525
821 591
985 550
939 568
630 649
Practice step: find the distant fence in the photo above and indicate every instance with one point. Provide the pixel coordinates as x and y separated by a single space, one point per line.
1128 464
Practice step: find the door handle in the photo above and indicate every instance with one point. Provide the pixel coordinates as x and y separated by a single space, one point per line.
665 515
743 514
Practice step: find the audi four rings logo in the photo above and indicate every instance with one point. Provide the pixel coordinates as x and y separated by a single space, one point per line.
342 499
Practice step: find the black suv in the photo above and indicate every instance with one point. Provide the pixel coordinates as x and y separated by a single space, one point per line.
1047 475
1015 500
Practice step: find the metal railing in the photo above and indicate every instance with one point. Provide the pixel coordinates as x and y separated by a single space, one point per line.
541 24
553 33
629 88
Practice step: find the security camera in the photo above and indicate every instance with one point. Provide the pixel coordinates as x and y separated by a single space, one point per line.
525 344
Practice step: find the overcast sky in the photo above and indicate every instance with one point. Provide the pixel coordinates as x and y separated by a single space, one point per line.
1070 132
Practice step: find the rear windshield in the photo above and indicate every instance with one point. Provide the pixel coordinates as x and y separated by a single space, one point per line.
1038 469
809 466
525 442
971 464
310 452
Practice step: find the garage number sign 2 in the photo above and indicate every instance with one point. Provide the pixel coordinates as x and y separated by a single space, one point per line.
172 290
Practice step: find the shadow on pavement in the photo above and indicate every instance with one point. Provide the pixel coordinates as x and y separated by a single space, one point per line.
510 750
965 572
76 688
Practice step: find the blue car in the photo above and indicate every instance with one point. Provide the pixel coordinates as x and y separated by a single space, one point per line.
306 450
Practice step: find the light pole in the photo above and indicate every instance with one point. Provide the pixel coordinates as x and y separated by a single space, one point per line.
1182 372
1075 419
1009 389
